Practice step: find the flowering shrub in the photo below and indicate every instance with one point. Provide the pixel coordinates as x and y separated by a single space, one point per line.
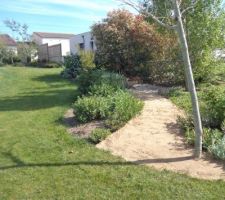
127 43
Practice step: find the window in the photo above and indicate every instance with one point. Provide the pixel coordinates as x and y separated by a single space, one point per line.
81 45
92 45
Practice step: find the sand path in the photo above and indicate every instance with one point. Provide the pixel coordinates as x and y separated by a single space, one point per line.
154 138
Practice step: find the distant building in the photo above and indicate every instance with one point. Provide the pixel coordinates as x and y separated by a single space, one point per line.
54 46
9 42
51 39
83 41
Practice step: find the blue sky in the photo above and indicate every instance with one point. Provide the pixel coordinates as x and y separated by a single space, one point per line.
68 16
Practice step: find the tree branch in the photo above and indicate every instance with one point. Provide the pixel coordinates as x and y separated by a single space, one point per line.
190 7
146 13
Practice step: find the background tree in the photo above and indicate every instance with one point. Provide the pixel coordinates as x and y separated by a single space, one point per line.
7 55
3 52
173 20
204 25
26 48
128 44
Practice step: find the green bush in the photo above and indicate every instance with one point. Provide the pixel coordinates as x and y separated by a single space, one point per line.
72 65
88 79
87 59
99 135
213 109
105 99
210 137
102 90
186 123
125 106
218 149
130 45
223 126
91 108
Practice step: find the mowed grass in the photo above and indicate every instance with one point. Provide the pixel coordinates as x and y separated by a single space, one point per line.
40 160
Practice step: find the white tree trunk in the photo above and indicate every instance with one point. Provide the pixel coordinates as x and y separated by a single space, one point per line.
190 80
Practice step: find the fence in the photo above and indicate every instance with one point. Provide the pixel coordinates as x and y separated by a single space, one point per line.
50 53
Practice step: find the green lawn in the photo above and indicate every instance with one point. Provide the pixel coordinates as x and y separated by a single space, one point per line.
40 160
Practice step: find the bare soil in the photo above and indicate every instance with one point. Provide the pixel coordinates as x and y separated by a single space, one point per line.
78 129
155 139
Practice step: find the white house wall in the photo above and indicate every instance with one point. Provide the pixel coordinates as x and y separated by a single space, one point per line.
65 43
85 38
37 39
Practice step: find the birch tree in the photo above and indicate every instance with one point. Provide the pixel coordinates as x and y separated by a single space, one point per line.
173 21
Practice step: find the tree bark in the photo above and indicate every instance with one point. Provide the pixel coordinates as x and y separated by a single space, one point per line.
190 80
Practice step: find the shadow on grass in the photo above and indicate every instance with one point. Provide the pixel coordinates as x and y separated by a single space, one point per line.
21 164
41 98
37 100
50 78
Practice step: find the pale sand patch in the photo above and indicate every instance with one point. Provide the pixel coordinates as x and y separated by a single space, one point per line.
155 139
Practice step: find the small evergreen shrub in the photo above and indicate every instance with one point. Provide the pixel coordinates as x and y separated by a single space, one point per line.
213 110
102 90
99 135
88 79
218 149
125 107
91 108
72 65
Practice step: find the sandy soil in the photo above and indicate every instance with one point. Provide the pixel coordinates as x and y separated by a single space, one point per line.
78 129
155 139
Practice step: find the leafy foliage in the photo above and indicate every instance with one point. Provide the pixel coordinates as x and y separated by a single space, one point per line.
128 44
99 135
72 65
102 90
125 107
205 32
7 55
87 59
26 48
210 136
212 99
106 98
91 108
204 27
90 79
218 149
214 106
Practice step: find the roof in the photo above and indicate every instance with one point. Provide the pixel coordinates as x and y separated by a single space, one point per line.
54 35
7 40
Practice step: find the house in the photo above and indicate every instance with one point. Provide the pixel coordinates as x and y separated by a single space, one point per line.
9 42
83 41
41 38
54 46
